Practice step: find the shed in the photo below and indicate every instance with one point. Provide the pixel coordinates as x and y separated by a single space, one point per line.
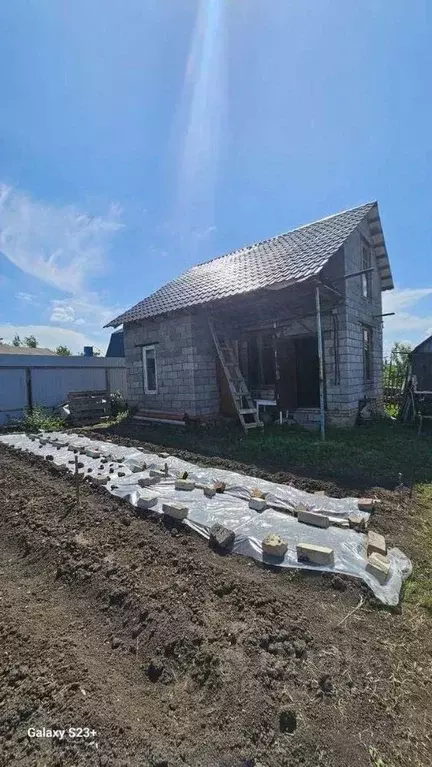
421 365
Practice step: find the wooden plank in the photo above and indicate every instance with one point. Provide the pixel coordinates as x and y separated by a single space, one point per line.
78 407
91 393
77 400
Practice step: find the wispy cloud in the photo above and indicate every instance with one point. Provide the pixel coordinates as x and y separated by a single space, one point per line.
400 298
407 325
61 246
86 309
28 298
62 312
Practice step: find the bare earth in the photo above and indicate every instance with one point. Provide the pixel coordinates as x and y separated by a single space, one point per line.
174 655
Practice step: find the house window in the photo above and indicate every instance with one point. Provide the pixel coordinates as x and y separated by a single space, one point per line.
367 353
367 277
149 367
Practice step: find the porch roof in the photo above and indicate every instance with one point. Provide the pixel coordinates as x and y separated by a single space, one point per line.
287 259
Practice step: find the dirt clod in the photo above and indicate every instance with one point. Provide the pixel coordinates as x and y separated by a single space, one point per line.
154 670
326 684
288 720
338 583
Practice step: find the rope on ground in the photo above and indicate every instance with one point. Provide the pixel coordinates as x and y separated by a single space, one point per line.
357 607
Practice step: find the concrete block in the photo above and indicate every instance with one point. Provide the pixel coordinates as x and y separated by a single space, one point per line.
379 567
221 537
209 491
147 501
274 545
312 518
136 466
257 493
184 484
91 453
376 543
339 522
357 522
258 504
175 510
147 481
100 480
366 504
317 555
320 492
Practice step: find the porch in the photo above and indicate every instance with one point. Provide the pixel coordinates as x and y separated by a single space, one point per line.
276 339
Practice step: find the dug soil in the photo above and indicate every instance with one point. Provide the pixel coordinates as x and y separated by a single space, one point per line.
172 655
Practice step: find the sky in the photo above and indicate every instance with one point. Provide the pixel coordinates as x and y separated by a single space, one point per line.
138 137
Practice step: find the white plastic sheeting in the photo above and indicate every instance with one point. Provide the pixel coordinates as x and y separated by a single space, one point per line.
230 508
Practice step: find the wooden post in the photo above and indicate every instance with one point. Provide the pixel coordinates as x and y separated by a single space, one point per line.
77 488
29 389
321 361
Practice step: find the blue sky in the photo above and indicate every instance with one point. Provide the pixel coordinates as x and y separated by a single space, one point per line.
138 137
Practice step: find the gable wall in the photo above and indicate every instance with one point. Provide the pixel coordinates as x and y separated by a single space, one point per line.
342 400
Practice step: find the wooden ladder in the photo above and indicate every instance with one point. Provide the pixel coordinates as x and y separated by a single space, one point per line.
240 393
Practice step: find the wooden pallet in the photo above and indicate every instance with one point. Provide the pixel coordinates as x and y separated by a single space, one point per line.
89 406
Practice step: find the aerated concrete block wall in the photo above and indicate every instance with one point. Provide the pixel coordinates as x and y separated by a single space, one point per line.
357 312
185 364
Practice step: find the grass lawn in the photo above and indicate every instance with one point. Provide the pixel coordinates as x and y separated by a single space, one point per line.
367 456
418 589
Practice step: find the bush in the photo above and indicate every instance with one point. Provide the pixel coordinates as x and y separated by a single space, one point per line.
118 403
41 419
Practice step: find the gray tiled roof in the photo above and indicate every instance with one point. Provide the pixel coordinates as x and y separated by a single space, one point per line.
291 257
28 350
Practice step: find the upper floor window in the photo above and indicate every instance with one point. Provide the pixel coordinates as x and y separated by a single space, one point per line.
150 373
367 353
367 276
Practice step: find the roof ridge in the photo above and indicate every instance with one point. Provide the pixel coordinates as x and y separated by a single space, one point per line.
245 248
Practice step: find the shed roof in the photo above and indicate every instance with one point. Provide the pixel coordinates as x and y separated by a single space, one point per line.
29 350
288 258
427 342
116 345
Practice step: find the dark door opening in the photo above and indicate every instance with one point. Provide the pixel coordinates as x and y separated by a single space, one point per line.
298 384
307 371
286 386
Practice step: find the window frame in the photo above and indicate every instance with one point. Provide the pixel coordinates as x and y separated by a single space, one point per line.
145 349
367 347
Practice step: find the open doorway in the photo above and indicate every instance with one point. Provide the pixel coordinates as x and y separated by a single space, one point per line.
298 384
297 361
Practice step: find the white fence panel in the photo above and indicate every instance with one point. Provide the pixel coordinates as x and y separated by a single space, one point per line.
13 394
50 386
117 381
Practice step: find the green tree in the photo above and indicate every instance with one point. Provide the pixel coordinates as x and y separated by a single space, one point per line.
16 340
63 351
396 366
31 342
399 356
